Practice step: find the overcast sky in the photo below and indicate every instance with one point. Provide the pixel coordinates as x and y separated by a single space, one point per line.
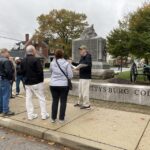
18 17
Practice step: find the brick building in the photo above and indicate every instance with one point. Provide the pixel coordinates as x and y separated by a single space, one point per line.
41 47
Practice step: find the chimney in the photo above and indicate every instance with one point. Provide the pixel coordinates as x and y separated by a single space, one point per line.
26 38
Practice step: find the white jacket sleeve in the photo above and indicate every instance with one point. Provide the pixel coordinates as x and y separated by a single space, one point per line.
69 71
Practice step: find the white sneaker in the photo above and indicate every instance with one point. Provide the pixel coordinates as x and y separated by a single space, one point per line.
32 117
45 117
61 121
53 121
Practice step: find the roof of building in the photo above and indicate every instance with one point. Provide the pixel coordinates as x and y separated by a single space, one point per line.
17 53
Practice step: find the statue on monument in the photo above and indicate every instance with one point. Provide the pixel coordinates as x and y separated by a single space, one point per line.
88 33
96 46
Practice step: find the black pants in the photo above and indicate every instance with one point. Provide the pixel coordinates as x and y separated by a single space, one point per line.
59 93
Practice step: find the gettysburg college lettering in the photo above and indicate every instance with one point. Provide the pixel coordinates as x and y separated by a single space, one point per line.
117 90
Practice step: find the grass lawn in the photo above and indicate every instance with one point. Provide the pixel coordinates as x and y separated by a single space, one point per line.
126 76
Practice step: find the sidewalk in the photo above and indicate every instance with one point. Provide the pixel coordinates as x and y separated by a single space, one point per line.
99 128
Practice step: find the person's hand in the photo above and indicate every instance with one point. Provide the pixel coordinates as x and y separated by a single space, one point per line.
76 69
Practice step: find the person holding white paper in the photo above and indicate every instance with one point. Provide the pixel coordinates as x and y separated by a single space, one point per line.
85 71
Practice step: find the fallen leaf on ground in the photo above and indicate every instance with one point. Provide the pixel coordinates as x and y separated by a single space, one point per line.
66 148
42 140
51 143
3 137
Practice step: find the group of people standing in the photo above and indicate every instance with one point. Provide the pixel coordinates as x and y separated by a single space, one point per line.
30 71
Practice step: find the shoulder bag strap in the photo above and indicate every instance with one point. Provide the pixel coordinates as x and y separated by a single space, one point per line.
61 69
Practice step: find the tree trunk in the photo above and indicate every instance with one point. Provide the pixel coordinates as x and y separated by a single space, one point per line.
121 65
146 61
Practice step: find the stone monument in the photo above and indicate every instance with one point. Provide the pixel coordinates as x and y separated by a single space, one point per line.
97 48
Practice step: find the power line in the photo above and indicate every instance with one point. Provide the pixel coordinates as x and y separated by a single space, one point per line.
9 38
7 33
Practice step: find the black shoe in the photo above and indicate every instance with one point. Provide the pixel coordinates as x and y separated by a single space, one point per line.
77 105
85 107
9 113
12 97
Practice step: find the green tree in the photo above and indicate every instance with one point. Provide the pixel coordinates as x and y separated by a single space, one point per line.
139 28
61 26
117 42
133 35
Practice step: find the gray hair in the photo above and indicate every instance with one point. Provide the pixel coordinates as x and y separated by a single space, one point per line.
3 50
30 50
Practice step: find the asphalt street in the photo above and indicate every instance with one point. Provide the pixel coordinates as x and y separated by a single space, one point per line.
9 140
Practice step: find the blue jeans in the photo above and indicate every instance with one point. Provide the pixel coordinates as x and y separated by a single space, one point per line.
18 79
5 92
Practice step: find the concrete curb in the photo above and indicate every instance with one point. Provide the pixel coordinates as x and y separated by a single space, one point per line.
76 142
58 137
22 127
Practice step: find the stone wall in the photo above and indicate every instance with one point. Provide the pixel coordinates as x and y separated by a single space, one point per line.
117 92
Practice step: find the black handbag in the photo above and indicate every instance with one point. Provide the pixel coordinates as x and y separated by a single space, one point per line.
69 80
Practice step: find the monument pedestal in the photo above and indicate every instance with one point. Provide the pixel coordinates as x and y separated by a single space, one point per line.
100 71
100 65
102 74
99 74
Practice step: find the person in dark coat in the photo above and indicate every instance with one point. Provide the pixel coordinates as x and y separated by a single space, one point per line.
6 76
33 77
85 72
19 75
